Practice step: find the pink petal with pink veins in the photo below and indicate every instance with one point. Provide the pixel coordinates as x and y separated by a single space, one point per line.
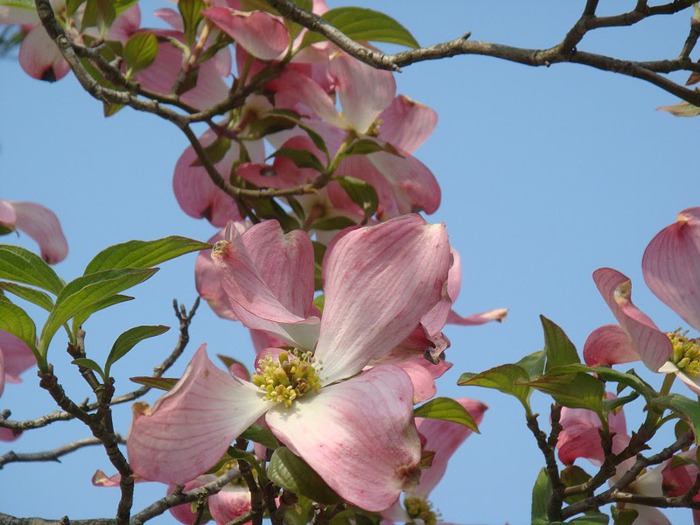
379 281
406 124
671 266
189 428
7 213
423 382
126 24
184 513
171 17
262 35
296 91
443 438
653 346
40 57
364 91
609 345
228 504
268 277
497 314
16 355
42 225
358 435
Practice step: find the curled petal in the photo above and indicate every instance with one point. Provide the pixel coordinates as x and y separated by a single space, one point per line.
8 216
40 57
379 282
229 503
358 435
609 345
653 346
497 314
406 124
189 428
671 266
7 434
207 281
423 382
16 355
263 36
42 225
443 438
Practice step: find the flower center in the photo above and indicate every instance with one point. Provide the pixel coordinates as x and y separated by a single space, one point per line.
286 377
420 510
686 352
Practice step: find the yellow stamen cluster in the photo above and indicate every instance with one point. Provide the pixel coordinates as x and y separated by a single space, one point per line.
420 510
287 377
686 352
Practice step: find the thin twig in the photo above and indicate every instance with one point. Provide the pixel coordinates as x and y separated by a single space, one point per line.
51 455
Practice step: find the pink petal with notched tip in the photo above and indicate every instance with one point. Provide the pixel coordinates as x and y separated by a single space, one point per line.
17 357
406 124
268 277
671 266
358 435
443 438
189 428
262 35
653 346
379 282
42 225
609 345
363 90
40 57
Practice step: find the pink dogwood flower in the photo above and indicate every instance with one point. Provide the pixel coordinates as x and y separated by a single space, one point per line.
354 427
40 223
671 268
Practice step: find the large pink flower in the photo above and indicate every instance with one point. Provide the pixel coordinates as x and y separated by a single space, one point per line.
40 223
354 427
671 267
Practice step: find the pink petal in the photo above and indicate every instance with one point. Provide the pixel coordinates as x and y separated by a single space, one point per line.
2 373
671 266
692 382
364 91
228 504
207 281
260 34
497 314
42 225
126 24
9 435
422 380
443 438
653 346
16 355
40 57
100 479
189 428
379 281
268 277
7 213
183 513
358 435
406 124
609 345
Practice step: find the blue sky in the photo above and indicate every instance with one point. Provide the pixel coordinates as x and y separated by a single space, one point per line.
547 174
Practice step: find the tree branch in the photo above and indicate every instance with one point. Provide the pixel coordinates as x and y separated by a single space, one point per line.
51 455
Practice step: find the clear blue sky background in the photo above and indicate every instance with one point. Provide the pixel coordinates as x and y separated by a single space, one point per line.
547 174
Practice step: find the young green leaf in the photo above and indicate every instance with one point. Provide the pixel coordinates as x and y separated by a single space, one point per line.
364 25
16 321
143 254
687 408
338 222
294 474
190 10
100 14
559 349
84 292
84 362
448 410
573 390
302 158
541 494
127 340
140 51
22 4
261 436
23 266
161 383
361 193
508 379
37 297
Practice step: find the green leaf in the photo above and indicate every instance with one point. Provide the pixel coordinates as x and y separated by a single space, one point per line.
294 474
80 318
37 297
319 253
446 409
502 378
320 302
687 408
190 10
611 375
271 209
541 494
140 51
230 361
363 147
143 254
16 321
22 4
92 365
127 340
262 436
23 266
571 476
557 346
593 518
215 151
364 25
533 364
623 516
84 292
100 14
332 223
302 158
573 390
122 5
161 383
361 193
280 119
